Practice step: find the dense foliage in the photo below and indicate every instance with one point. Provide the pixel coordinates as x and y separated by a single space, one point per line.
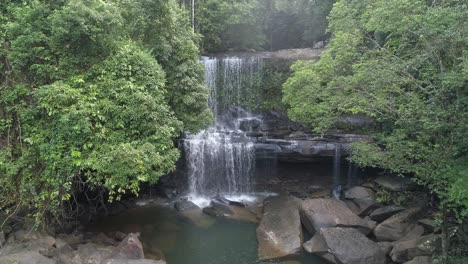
93 91
260 24
404 64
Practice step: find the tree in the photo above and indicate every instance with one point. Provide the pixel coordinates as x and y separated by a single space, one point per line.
88 95
404 65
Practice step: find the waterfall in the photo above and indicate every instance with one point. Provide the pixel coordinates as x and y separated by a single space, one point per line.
337 165
221 159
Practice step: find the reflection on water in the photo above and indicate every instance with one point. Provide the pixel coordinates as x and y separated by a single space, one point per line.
192 240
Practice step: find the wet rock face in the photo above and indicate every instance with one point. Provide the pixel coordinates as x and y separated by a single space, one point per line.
185 205
325 213
397 226
129 248
26 257
409 249
346 245
279 233
384 213
395 183
360 193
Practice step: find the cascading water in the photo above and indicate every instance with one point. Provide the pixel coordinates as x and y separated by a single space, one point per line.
221 159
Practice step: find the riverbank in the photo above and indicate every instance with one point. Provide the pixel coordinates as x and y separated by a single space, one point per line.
356 228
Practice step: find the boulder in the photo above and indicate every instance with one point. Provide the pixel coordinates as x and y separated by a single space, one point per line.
26 257
350 246
323 213
383 213
407 250
133 261
219 207
397 226
103 239
362 207
386 247
414 233
280 232
2 238
317 245
129 248
420 260
396 183
90 254
428 225
185 205
360 193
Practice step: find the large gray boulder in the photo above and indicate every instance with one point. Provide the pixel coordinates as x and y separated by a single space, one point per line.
280 232
396 183
397 226
90 254
129 248
133 261
360 193
384 213
420 260
362 207
26 257
409 249
184 205
346 245
323 213
218 208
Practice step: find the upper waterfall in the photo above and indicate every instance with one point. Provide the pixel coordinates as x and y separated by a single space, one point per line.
221 159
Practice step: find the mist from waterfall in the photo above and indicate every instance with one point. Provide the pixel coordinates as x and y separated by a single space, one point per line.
221 159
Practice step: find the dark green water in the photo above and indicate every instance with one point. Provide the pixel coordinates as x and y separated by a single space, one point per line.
203 240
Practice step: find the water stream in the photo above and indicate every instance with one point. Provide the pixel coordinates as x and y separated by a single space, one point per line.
221 159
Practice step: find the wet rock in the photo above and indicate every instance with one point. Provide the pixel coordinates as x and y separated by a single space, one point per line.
383 213
420 260
91 254
2 238
337 192
386 247
407 250
129 248
372 224
133 261
316 245
185 205
395 183
397 226
26 257
323 213
350 246
428 225
117 235
101 238
279 233
73 239
218 209
414 233
362 207
369 185
320 193
23 235
360 193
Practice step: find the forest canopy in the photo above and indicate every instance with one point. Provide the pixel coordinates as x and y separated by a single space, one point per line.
93 92
404 65
260 24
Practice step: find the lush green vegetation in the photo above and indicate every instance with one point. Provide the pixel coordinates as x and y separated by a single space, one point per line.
94 92
404 64
260 24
